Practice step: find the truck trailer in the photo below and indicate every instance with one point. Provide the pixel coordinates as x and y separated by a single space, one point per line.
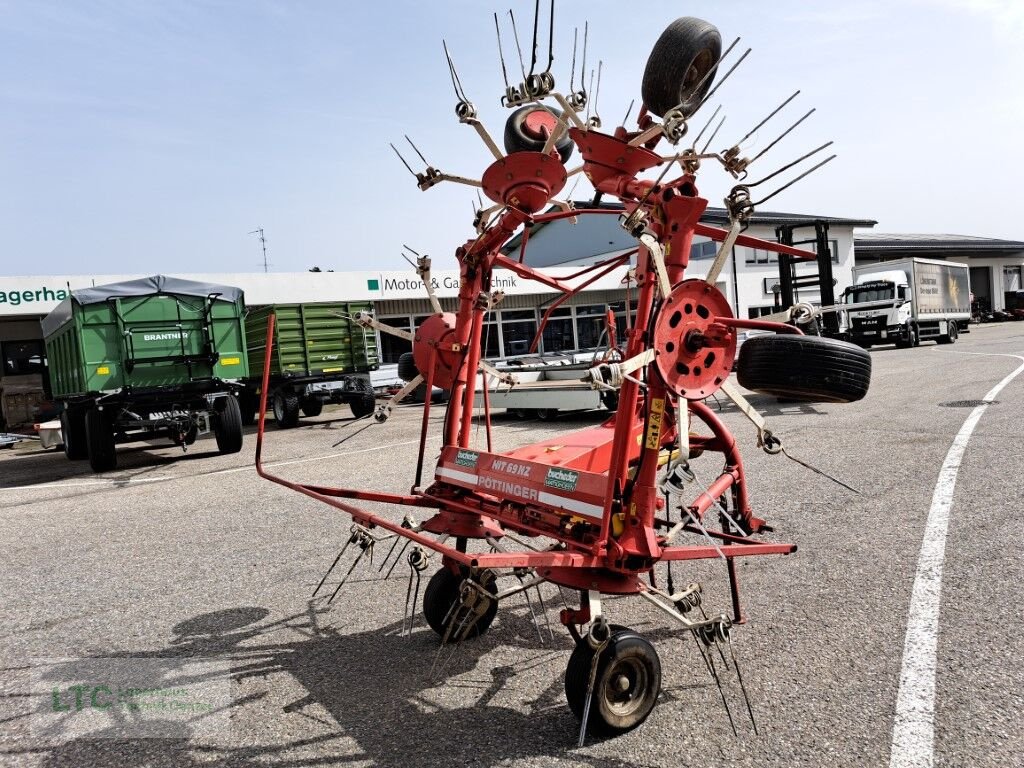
158 357
320 355
927 299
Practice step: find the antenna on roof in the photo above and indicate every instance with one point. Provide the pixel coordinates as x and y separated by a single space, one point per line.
263 245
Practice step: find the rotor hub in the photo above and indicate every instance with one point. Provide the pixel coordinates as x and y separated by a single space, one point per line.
436 337
695 354
524 180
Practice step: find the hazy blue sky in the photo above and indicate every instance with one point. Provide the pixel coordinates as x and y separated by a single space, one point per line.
152 136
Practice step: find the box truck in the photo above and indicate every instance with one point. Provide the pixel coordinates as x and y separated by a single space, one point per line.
913 300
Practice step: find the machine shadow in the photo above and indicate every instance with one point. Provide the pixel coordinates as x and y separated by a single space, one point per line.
374 685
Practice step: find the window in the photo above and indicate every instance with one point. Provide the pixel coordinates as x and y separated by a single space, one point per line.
755 312
23 357
518 327
1011 279
704 250
590 325
558 334
759 256
392 347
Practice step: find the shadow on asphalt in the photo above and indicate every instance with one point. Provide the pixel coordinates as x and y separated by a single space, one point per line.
372 685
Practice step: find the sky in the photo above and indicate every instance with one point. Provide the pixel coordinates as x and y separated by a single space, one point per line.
154 135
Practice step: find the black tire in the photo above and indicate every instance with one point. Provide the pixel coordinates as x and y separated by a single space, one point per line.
442 593
808 368
312 406
407 370
227 426
518 138
917 335
364 402
907 339
99 436
286 408
610 400
687 51
248 405
546 414
951 337
72 430
627 660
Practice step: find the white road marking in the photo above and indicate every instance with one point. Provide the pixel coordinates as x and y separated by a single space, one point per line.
913 732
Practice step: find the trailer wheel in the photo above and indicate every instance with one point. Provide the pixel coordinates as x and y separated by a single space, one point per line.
286 408
951 335
681 66
312 406
72 430
407 370
227 426
808 368
248 405
526 130
365 400
440 601
99 436
626 686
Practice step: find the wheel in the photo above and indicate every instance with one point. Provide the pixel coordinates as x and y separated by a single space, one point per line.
907 338
99 436
916 340
626 686
364 401
610 400
407 370
248 405
227 425
809 368
442 593
72 430
311 406
681 67
286 408
546 414
527 130
952 333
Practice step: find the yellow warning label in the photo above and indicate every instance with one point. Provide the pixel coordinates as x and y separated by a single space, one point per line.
653 438
230 360
333 370
103 370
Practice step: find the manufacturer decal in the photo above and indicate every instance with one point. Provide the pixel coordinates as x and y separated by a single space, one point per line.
173 336
466 458
511 468
562 479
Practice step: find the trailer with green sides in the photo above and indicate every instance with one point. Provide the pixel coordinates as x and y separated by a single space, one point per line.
158 357
320 355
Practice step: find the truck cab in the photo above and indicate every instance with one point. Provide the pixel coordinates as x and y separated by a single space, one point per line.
882 323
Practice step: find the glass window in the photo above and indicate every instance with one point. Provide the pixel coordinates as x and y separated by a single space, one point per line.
704 250
490 346
518 327
23 357
1011 279
755 312
392 347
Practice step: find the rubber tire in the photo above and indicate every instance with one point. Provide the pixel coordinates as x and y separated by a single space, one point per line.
248 405
624 644
99 436
72 430
407 370
951 337
546 414
808 368
227 426
610 400
311 406
286 408
441 592
517 140
686 51
907 343
917 335
364 403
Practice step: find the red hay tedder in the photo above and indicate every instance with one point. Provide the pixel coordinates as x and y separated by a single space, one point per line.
597 509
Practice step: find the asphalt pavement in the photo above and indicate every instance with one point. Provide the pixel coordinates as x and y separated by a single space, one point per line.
193 562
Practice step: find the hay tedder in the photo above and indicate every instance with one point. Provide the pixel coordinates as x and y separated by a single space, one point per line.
594 511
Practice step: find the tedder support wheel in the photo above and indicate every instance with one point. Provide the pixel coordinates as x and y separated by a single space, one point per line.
808 368
441 598
364 401
527 130
99 436
680 69
311 406
407 370
286 408
626 685
227 427
950 337
72 430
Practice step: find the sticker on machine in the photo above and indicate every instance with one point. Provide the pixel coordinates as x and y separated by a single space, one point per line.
562 479
466 458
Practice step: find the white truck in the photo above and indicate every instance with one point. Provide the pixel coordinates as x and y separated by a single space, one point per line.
908 301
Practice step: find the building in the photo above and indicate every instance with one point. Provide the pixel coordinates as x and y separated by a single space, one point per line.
997 266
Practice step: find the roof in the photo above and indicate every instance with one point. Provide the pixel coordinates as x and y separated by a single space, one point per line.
714 216
882 241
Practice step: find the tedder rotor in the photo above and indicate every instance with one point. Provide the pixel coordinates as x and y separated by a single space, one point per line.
595 510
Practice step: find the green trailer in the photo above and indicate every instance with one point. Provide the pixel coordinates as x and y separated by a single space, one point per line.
321 355
159 357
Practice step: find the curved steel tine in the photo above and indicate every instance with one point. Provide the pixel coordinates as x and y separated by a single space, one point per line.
789 184
460 92
706 126
774 112
533 55
333 566
421 158
789 165
572 68
551 37
715 133
501 54
783 135
408 167
725 77
519 49
743 688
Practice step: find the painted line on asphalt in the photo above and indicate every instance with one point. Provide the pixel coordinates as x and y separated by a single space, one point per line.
913 732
